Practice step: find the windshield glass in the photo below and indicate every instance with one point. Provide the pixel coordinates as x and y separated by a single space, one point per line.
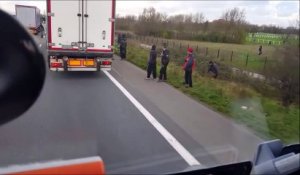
157 86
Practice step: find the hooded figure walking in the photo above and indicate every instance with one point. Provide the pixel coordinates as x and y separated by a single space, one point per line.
151 69
260 50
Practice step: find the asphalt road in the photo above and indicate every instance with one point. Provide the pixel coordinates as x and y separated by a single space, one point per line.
83 114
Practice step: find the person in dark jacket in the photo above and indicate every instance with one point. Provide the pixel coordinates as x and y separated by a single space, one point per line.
123 47
42 30
119 39
164 63
213 68
189 64
151 69
260 50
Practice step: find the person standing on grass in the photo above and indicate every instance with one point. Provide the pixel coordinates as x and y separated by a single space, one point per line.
119 39
188 66
213 68
260 50
151 69
164 63
123 47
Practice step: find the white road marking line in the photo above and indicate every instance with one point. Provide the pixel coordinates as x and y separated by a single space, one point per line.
183 152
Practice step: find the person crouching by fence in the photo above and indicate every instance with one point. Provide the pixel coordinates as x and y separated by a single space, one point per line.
213 69
188 66
151 69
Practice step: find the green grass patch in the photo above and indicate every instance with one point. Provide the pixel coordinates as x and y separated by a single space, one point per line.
265 116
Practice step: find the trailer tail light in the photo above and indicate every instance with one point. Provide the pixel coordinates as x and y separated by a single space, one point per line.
106 63
56 65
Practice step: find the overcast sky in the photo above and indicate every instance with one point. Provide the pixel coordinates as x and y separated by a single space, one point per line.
281 13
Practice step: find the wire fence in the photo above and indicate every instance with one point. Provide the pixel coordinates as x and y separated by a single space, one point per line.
236 60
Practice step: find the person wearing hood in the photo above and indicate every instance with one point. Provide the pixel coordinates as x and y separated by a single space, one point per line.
188 66
213 68
151 69
164 63
123 47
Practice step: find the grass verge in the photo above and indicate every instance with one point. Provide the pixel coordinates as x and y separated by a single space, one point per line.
265 116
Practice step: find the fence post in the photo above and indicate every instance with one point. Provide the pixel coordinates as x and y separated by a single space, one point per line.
247 59
180 45
197 48
173 44
206 52
266 59
231 56
218 53
188 46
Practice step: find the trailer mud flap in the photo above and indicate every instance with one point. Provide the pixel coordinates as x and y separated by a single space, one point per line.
98 65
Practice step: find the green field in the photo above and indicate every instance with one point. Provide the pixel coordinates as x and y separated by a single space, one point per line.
266 38
265 116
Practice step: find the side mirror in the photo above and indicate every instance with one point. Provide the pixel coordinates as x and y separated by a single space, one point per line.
22 69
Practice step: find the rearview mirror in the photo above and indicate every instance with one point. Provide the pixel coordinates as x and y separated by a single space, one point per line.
22 69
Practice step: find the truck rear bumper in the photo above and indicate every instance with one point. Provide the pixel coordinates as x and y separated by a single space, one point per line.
79 69
60 65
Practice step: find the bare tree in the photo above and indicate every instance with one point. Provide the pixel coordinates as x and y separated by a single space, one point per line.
234 25
199 18
234 15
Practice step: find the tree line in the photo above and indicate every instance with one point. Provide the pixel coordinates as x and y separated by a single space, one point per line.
231 27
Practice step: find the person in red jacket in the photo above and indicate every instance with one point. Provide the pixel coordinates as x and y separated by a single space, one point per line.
188 66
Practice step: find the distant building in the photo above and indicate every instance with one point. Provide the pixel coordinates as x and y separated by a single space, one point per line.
219 21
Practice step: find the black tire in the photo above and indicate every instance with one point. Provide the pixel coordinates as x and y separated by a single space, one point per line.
48 62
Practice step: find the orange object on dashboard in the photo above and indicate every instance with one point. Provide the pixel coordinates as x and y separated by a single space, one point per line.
85 166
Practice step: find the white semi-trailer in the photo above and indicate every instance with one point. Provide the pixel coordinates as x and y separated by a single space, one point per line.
80 34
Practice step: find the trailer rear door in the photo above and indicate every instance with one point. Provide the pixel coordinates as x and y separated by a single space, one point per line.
99 25
65 24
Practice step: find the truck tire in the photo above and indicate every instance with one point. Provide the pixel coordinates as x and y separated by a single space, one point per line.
48 62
